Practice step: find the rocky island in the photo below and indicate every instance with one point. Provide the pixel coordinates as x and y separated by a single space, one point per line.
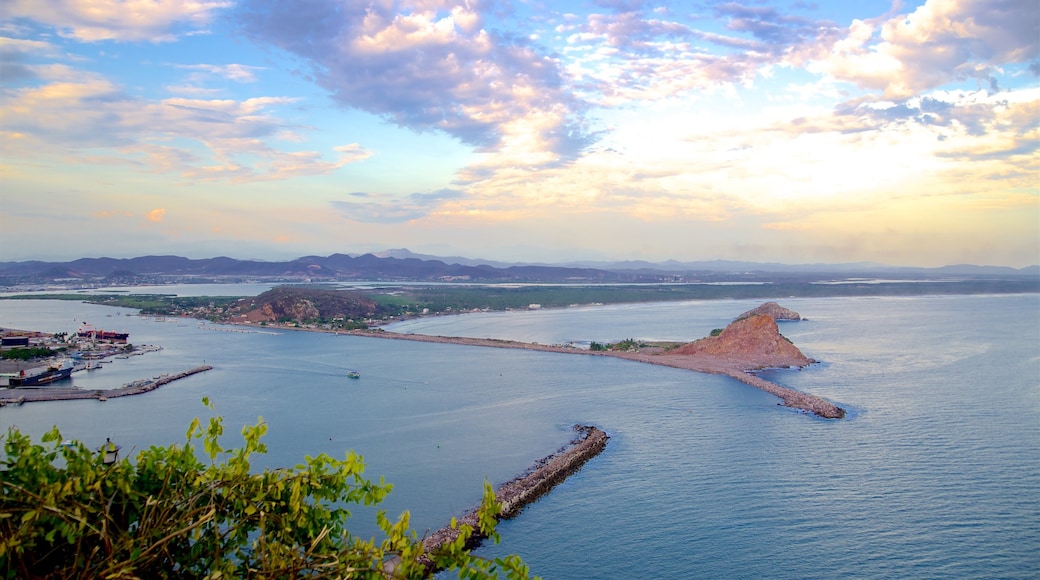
772 310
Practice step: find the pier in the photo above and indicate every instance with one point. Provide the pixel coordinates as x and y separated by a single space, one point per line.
18 396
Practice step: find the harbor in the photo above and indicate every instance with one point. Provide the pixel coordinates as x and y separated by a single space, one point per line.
18 396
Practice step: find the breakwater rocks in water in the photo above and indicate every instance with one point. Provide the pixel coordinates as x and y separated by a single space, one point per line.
740 371
33 395
525 489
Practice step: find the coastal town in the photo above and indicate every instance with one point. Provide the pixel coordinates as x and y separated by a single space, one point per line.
37 366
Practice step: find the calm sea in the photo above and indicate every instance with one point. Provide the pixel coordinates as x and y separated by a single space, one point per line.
935 474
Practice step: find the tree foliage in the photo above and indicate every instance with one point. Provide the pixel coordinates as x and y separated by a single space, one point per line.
28 353
66 514
626 345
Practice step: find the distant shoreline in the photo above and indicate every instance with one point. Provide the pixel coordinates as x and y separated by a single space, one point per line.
702 363
698 363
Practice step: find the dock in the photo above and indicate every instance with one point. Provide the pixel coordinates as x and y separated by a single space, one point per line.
18 396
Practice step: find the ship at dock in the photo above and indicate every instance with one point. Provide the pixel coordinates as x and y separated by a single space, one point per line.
88 331
53 373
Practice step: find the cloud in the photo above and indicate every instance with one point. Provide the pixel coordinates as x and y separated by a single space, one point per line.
352 153
973 125
940 42
82 117
429 66
16 56
120 20
157 214
776 31
236 72
387 209
617 59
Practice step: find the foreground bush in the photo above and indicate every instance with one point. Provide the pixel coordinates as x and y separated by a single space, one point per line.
64 513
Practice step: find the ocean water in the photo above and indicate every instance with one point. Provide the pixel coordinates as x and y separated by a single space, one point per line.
934 474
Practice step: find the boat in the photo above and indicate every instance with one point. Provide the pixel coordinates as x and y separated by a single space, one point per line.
354 375
88 331
54 372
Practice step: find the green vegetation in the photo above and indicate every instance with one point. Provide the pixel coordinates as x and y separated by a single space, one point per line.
629 344
66 513
206 307
716 331
28 353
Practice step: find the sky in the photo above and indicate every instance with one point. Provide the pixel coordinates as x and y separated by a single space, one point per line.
905 133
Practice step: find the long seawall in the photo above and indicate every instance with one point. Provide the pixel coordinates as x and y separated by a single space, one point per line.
21 395
514 495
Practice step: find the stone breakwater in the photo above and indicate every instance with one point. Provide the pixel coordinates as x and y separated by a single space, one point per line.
702 362
719 366
514 495
33 395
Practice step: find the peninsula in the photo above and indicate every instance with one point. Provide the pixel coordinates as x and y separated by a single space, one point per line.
752 342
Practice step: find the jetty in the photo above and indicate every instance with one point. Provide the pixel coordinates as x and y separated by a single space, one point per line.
21 395
519 492
732 366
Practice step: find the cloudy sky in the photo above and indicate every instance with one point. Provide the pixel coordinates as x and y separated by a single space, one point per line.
798 131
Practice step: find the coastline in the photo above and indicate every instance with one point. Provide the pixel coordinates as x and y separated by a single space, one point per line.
702 363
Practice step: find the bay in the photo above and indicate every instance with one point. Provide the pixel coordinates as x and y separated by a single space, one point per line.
936 472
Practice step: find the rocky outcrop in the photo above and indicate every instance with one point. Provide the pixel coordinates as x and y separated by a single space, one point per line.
772 310
302 304
755 342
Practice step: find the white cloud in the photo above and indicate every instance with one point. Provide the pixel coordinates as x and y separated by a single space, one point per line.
236 72
940 42
121 20
83 117
428 66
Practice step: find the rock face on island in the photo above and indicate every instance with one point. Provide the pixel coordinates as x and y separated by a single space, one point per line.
772 310
755 342
302 304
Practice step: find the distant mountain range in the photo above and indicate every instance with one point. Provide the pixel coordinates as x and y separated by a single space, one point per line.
403 265
733 266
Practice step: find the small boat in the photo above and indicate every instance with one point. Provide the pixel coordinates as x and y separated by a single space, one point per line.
354 375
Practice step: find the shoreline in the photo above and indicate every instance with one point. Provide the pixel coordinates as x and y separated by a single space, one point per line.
697 363
707 364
